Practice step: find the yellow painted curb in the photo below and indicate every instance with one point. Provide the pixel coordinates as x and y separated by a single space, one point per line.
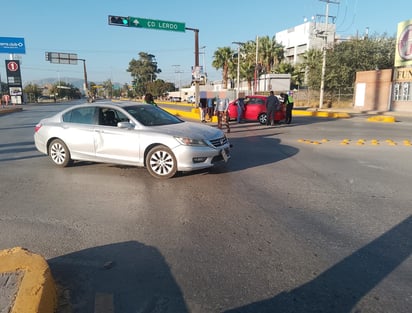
382 118
193 114
36 292
321 114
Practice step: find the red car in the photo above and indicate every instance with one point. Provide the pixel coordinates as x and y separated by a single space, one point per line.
255 110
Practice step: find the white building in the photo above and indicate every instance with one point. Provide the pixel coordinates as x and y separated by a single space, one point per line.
301 38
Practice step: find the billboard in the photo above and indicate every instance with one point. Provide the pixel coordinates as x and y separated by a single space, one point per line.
12 45
403 54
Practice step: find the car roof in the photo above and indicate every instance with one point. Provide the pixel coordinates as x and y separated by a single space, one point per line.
109 103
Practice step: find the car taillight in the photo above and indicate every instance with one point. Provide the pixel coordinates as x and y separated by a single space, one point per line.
37 127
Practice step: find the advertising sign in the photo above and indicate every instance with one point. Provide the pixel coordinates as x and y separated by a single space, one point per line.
403 54
13 73
12 45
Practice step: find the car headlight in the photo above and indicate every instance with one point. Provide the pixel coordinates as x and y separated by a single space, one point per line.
186 141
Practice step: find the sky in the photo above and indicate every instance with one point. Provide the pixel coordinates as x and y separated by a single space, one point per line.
81 27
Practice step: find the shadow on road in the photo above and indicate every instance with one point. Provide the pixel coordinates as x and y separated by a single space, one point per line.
341 287
125 277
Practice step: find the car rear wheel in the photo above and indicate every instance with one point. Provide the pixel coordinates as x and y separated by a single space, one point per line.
263 118
59 153
161 162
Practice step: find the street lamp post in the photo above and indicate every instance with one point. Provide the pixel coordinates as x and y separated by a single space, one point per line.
238 43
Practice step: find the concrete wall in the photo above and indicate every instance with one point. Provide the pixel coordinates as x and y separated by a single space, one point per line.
373 90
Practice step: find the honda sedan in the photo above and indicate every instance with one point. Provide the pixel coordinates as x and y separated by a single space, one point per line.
130 134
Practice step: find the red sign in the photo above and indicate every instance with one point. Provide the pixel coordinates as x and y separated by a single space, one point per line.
12 66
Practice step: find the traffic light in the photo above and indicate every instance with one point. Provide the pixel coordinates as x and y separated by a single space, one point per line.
119 20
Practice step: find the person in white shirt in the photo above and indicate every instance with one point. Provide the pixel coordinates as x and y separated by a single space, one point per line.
221 111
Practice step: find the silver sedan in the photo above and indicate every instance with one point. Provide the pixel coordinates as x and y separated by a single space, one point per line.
130 134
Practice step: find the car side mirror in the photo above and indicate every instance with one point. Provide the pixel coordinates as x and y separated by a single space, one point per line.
127 125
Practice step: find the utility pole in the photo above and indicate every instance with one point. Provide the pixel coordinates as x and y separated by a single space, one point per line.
197 93
324 48
238 43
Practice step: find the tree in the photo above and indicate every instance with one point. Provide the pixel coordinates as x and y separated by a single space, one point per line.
347 58
143 71
108 88
65 90
248 62
221 60
33 91
159 87
270 53
312 66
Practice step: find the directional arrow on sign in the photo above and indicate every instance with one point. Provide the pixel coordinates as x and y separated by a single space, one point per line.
135 22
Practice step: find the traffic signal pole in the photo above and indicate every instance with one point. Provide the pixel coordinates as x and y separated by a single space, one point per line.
86 85
197 89
138 22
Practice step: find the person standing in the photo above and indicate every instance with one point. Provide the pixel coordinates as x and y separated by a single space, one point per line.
148 98
289 107
240 109
222 106
6 99
210 109
203 110
272 105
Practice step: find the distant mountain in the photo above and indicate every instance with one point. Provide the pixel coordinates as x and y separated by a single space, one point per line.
78 83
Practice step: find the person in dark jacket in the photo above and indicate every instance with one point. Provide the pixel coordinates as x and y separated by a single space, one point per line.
148 98
272 105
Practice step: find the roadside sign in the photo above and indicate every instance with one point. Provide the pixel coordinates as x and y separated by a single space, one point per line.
61 58
156 24
12 45
12 66
13 73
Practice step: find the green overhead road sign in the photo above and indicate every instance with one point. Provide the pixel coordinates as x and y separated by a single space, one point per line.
156 24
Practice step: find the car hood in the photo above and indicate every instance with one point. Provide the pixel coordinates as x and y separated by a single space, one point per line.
196 131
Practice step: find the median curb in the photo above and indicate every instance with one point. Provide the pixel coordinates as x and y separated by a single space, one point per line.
10 109
28 285
382 119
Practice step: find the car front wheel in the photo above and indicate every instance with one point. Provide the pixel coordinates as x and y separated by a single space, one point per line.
263 118
161 162
59 153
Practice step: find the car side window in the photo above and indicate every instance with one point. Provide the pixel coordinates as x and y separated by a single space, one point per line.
80 115
110 117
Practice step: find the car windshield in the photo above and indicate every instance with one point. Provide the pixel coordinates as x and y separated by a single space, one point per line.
150 115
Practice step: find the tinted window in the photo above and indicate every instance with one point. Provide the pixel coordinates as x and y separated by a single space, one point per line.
80 115
150 115
110 117
256 101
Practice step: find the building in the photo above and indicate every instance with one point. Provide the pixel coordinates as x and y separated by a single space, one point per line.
389 89
301 38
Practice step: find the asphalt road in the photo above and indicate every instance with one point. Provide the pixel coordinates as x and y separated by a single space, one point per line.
311 217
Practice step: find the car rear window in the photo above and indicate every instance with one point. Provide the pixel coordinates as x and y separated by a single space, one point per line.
80 115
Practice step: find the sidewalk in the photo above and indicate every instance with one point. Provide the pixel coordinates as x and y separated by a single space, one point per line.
11 108
26 283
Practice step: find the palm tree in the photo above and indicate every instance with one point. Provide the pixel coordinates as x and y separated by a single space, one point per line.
221 60
270 53
248 64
